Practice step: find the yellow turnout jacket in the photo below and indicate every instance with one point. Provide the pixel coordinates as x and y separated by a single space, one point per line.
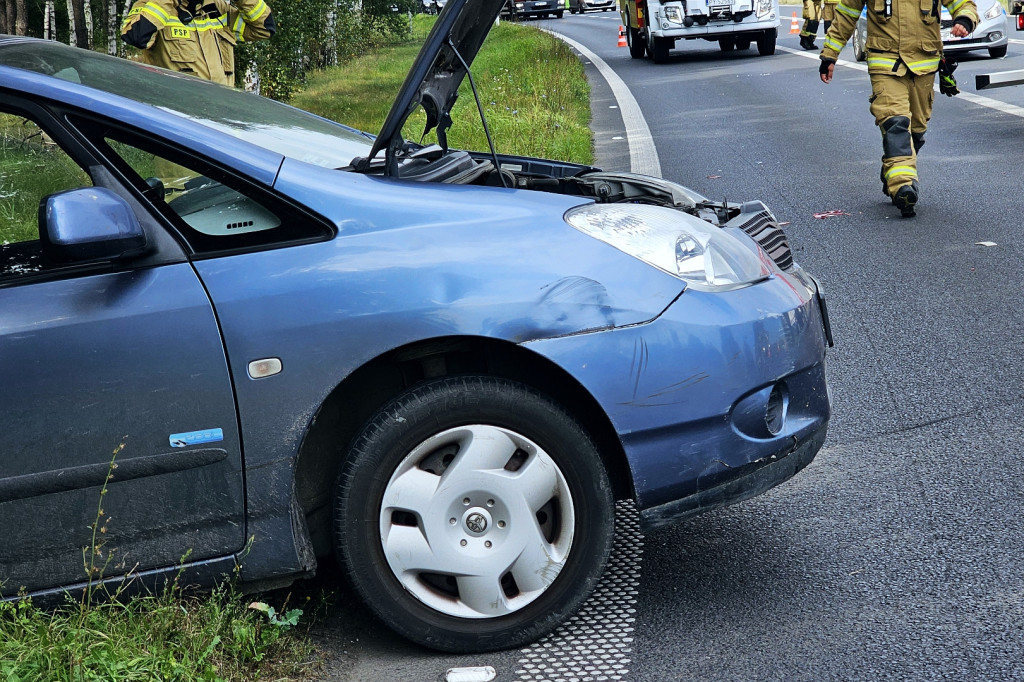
185 36
902 34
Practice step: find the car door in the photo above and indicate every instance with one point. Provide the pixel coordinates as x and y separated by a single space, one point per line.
112 373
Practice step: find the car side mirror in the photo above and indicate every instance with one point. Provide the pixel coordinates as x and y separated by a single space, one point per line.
88 224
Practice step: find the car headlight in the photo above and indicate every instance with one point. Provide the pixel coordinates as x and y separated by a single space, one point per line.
994 11
702 255
674 15
764 7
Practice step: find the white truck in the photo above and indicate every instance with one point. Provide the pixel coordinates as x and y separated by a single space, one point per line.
653 26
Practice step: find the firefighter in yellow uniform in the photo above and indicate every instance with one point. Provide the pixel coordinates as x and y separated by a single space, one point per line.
816 12
196 36
904 50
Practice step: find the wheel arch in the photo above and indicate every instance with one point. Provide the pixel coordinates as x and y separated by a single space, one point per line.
363 392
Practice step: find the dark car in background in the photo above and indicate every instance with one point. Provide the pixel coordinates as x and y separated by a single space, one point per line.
581 6
526 9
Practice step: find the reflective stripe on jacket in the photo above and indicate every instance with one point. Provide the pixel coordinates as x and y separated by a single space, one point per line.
203 43
905 37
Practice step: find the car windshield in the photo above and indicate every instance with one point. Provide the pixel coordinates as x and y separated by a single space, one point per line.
264 122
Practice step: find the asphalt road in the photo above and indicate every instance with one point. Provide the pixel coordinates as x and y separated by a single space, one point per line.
897 554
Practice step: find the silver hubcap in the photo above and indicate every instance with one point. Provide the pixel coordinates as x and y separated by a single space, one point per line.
477 521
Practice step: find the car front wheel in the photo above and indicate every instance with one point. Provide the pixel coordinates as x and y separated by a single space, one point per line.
473 514
997 52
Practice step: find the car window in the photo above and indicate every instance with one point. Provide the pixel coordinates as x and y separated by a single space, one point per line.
204 204
212 210
32 166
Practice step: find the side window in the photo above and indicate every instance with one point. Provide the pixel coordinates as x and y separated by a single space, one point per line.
205 205
32 167
213 211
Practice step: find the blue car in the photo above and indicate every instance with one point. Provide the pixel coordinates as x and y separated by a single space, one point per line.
277 339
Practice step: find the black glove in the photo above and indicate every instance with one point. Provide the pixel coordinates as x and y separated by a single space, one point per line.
947 84
825 63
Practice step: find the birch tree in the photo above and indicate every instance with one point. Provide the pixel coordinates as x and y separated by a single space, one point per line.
113 29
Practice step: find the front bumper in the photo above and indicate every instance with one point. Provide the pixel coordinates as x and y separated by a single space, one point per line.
987 34
706 18
688 393
536 8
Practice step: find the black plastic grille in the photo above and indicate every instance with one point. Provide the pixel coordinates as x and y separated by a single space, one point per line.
766 232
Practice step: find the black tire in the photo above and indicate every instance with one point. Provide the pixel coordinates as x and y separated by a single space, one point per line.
659 48
742 43
572 11
637 45
559 15
432 429
858 46
766 42
997 52
728 43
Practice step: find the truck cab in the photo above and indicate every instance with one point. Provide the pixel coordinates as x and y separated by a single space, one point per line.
653 27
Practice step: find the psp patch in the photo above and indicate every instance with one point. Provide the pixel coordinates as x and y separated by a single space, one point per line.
181 440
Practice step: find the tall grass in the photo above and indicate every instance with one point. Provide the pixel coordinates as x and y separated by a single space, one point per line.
533 89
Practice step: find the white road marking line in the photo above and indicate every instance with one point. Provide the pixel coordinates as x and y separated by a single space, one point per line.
980 100
643 154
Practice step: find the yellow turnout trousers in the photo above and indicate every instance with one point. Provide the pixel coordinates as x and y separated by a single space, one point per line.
902 107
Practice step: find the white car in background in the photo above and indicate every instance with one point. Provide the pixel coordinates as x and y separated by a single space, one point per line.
990 34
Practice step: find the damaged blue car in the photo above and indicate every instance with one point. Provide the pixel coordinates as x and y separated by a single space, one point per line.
282 339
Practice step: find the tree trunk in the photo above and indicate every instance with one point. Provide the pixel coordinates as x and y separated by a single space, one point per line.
80 37
87 13
113 30
21 22
3 17
71 23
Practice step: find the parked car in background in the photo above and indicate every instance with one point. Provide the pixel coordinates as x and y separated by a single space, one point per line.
581 6
526 9
441 367
991 34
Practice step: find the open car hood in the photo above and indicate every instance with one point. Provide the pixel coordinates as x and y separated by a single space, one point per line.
437 73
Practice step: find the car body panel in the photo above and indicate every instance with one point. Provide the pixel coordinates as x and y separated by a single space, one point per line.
97 362
665 369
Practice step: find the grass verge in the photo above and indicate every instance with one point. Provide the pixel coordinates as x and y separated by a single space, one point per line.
168 637
532 87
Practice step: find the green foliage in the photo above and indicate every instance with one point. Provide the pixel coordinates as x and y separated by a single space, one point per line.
31 167
316 34
537 106
164 637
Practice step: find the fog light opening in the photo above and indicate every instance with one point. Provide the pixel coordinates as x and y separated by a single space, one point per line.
775 411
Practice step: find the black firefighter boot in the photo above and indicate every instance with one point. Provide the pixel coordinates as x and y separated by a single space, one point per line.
906 198
808 34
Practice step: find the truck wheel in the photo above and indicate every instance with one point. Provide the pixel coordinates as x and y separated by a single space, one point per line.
742 43
728 44
637 45
766 42
659 48
997 52
472 514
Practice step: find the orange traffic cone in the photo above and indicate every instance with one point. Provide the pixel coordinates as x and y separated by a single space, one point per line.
622 36
795 26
